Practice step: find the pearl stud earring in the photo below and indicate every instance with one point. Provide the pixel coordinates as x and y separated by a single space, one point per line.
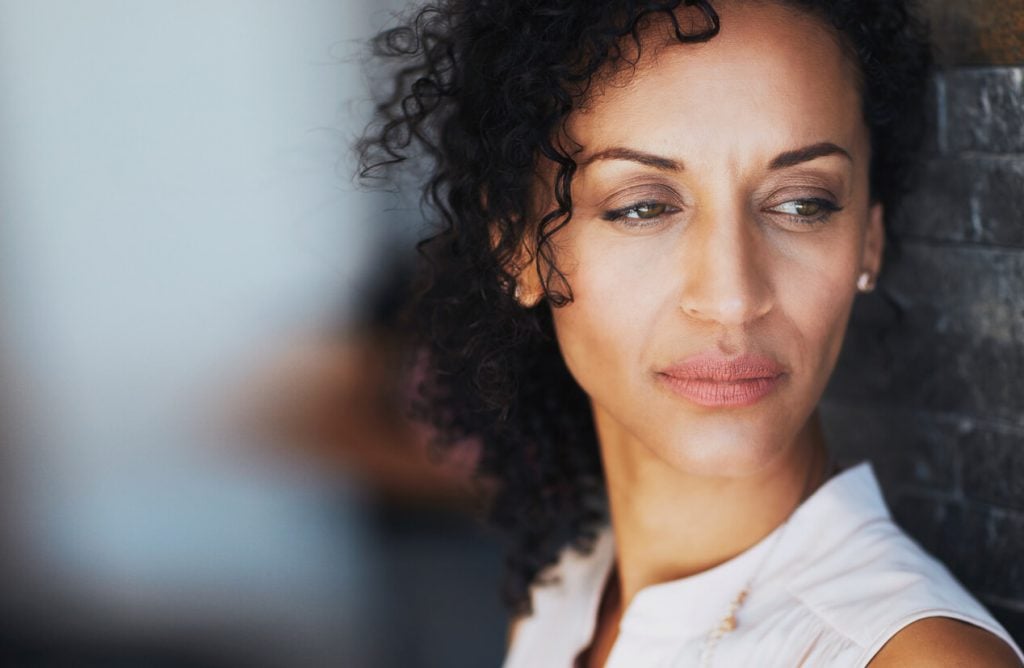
864 282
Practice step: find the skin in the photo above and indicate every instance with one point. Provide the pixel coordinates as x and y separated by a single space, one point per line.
688 236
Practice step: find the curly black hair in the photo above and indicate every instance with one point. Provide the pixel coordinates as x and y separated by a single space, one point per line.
480 91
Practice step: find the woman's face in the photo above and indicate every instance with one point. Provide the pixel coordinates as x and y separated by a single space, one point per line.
721 220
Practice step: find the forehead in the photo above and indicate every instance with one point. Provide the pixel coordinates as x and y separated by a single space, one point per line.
773 77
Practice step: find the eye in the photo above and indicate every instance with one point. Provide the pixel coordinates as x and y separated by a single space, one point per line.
807 211
639 212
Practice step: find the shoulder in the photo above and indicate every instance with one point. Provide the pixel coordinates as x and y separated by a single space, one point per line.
942 641
899 605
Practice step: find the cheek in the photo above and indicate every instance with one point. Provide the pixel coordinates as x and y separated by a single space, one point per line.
816 294
619 291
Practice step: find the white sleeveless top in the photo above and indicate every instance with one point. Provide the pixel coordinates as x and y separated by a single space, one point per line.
842 580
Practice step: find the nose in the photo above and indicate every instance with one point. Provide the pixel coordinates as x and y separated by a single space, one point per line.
726 278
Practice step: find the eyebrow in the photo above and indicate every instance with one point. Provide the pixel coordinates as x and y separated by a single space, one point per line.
649 159
781 161
807 153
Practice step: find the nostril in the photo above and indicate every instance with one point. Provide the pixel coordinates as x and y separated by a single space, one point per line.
736 310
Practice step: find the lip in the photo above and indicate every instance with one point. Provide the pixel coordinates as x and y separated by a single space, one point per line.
713 380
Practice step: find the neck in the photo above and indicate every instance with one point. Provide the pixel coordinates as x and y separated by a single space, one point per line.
669 524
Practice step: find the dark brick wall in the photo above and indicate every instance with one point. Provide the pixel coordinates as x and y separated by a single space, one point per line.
931 382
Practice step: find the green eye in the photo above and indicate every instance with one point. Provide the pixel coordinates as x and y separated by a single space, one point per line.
808 208
645 210
801 207
811 210
641 214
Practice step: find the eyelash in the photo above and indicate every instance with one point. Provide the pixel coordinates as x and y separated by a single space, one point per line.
827 209
622 215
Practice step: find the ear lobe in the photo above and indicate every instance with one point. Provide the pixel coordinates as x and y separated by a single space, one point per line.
874 240
528 289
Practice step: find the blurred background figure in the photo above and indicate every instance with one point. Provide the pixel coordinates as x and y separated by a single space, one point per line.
204 460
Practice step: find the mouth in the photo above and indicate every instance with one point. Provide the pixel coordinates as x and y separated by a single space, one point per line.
714 381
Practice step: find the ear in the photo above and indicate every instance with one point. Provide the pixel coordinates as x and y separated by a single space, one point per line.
529 290
874 241
522 266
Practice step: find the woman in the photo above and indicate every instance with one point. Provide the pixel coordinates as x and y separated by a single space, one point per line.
656 217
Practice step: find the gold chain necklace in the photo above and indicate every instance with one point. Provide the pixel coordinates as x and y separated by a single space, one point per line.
729 622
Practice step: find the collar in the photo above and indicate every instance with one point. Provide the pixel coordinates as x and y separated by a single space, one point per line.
693 605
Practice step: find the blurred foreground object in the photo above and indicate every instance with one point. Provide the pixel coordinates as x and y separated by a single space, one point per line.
343 402
171 211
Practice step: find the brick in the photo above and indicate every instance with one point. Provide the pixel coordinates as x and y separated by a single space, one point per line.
924 518
1011 617
934 108
985 548
958 344
905 447
981 545
977 199
914 451
984 109
992 464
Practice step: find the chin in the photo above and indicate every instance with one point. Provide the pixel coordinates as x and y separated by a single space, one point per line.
725 447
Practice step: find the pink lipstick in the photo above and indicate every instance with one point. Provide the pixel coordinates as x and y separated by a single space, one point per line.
715 381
